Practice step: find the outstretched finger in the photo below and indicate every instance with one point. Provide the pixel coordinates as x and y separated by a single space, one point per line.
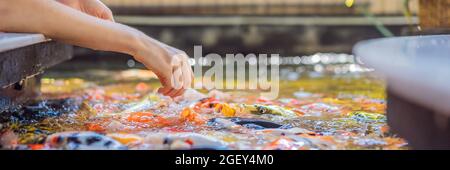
164 90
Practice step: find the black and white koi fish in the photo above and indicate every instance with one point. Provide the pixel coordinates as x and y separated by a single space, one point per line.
83 141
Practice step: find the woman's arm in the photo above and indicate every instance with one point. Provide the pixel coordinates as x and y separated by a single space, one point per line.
92 7
63 23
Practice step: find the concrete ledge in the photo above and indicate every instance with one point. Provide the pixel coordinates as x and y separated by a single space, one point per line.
421 126
9 41
18 64
416 67
417 72
23 57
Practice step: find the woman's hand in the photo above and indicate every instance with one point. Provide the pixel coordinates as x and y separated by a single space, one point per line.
169 64
92 7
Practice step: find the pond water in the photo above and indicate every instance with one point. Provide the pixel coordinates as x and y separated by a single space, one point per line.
107 109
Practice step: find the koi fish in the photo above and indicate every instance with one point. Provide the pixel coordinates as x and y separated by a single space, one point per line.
183 141
263 109
83 141
283 132
361 116
231 123
125 139
146 103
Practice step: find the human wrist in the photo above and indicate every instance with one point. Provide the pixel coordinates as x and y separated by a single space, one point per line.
141 47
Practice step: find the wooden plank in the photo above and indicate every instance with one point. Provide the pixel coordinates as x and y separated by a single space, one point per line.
259 20
261 7
434 14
